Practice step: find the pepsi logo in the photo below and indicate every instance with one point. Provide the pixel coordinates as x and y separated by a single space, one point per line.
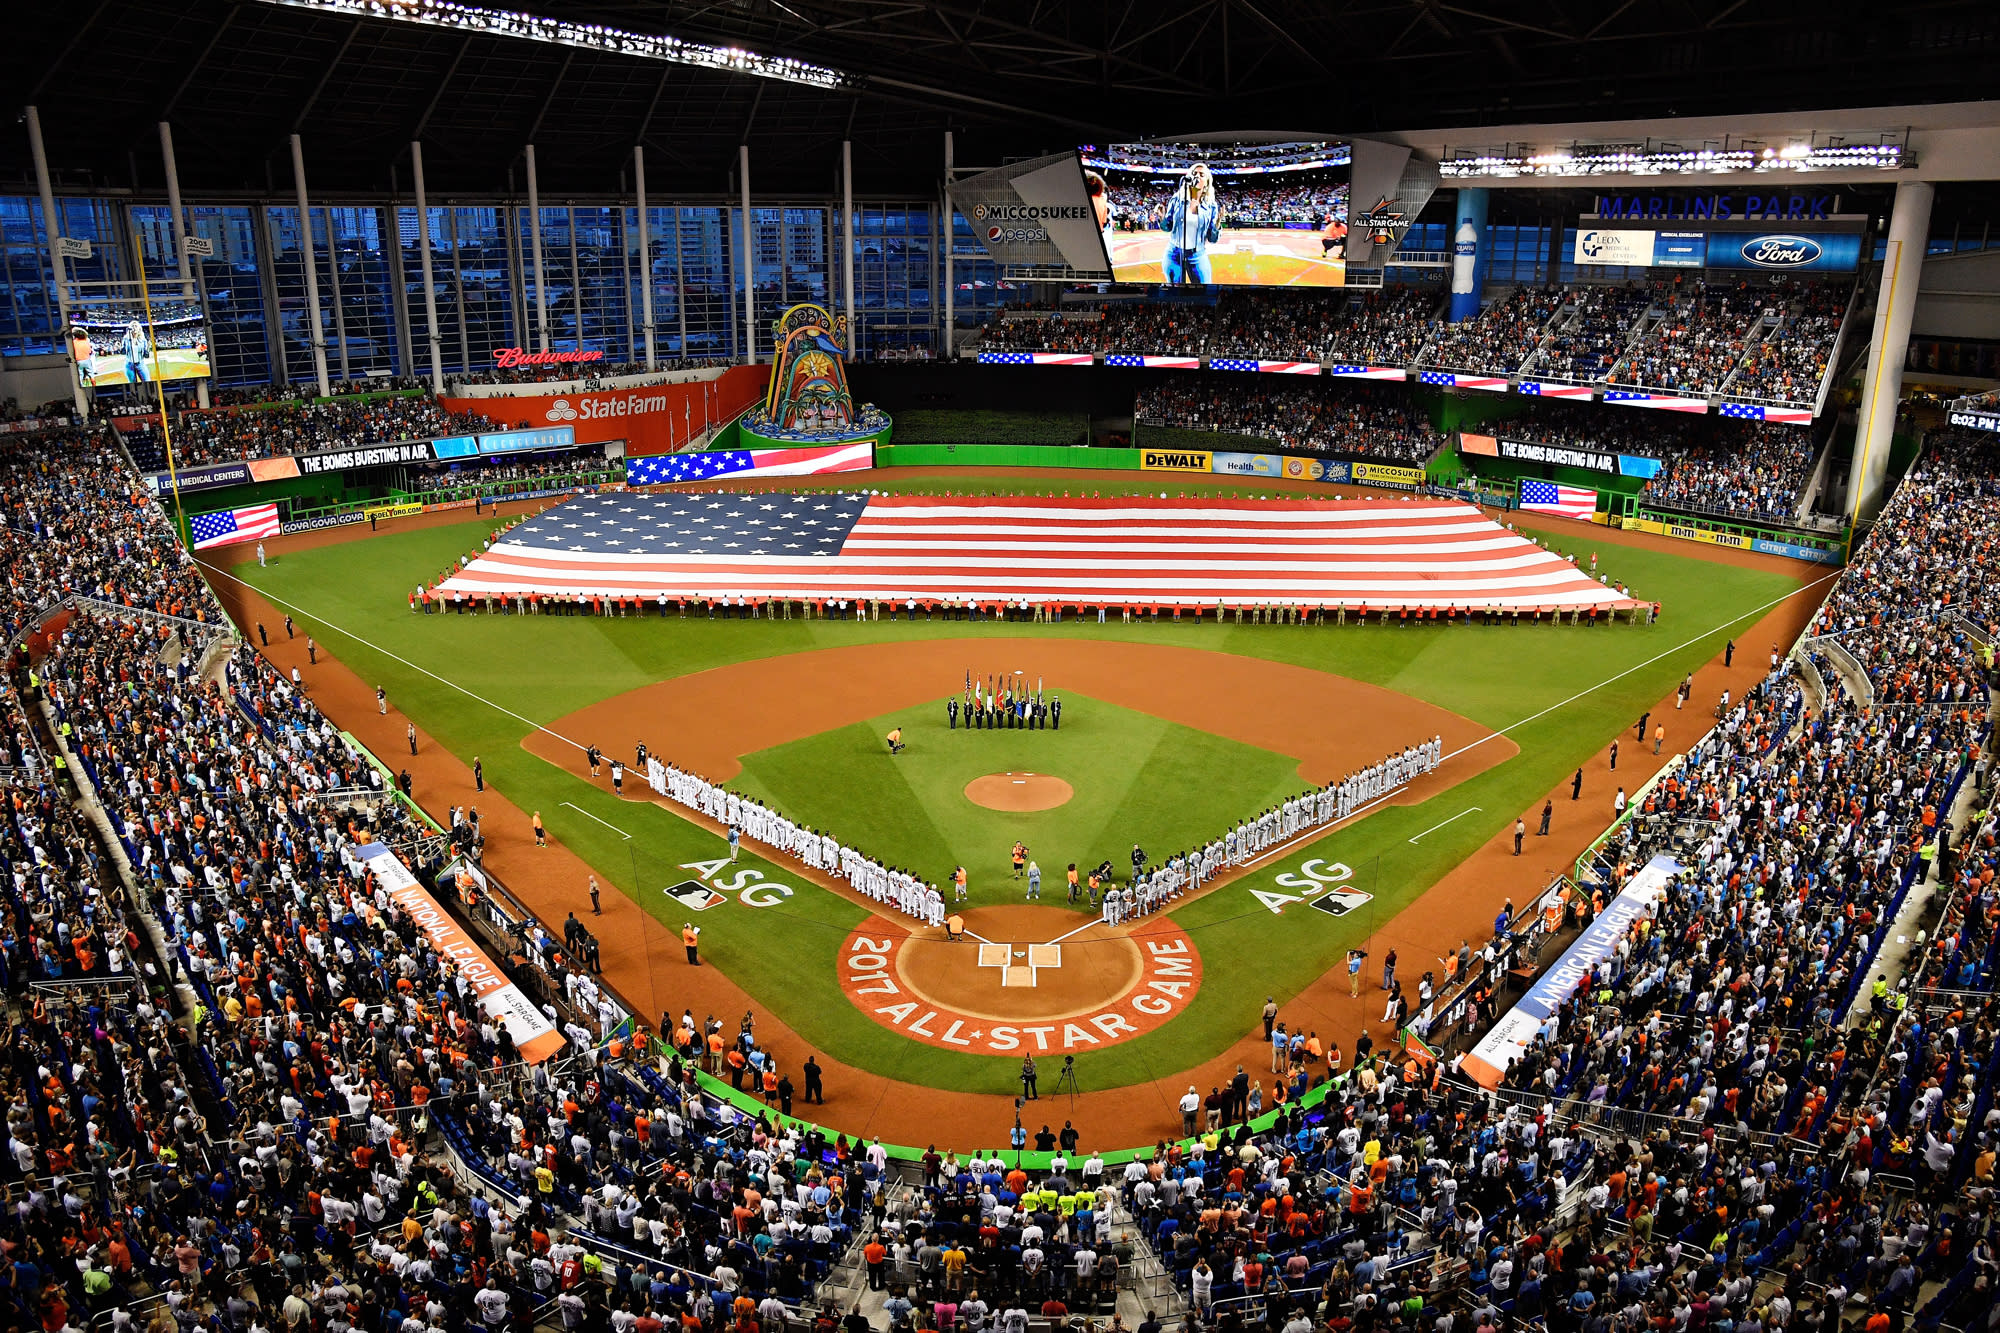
992 233
1780 251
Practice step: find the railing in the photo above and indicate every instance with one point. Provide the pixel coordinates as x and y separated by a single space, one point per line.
1848 665
492 492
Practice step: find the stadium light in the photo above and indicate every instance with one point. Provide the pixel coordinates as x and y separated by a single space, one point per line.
588 36
1645 160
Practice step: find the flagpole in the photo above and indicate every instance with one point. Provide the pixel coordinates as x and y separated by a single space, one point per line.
159 387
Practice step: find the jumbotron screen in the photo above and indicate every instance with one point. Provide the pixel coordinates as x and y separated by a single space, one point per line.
1230 214
113 343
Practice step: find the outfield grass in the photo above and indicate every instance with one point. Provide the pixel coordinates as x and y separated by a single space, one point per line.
352 598
1137 778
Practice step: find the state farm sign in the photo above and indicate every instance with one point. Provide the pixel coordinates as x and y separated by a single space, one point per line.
651 418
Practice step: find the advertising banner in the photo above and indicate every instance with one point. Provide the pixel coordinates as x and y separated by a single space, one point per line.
378 455
513 441
1387 474
534 1035
650 418
458 446
1315 469
1176 460
1614 245
1680 249
211 475
1794 551
1248 465
314 524
1505 1042
394 511
1786 252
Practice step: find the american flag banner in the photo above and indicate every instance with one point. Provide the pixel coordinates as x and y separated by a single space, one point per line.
991 549
1036 358
1659 400
1542 389
1288 367
1792 416
665 469
1370 372
1151 362
1545 497
226 527
1232 363
1451 379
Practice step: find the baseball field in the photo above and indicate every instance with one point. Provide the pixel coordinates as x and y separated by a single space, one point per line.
1170 734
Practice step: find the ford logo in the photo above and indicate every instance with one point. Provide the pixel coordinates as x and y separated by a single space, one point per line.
1780 251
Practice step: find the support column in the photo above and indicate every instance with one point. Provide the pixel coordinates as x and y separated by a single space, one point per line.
575 275
312 270
57 266
535 242
645 254
424 262
749 266
1470 254
680 282
1882 384
949 227
458 291
333 284
183 261
847 243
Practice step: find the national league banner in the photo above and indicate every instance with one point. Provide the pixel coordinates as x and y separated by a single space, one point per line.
534 1035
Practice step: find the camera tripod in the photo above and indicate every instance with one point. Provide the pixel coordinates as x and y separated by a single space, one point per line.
1067 1079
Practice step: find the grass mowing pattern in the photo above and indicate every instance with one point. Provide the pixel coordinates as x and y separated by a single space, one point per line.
1137 778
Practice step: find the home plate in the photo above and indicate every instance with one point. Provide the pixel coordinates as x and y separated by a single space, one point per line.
993 955
1045 955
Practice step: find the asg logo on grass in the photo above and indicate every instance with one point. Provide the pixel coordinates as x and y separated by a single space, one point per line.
1319 885
560 410
1781 251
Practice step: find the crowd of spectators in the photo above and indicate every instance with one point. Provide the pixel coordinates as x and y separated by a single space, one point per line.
1697 340
1306 202
594 374
1499 338
1727 1125
1590 334
1373 328
1315 416
1789 364
1741 469
504 472
299 427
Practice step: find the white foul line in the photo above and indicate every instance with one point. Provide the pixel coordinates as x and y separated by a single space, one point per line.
607 823
1095 921
1435 827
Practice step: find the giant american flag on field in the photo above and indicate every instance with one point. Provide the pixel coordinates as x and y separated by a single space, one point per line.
1069 551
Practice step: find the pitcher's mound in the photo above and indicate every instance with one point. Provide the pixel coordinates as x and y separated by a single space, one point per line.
1017 793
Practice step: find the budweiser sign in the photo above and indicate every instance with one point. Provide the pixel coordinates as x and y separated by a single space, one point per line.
517 356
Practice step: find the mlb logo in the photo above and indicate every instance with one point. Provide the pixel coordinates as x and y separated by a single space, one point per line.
694 895
1339 902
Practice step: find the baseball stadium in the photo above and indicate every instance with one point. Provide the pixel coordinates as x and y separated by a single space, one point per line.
1376 725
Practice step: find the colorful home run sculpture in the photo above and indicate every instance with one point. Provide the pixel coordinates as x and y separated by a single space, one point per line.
808 376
